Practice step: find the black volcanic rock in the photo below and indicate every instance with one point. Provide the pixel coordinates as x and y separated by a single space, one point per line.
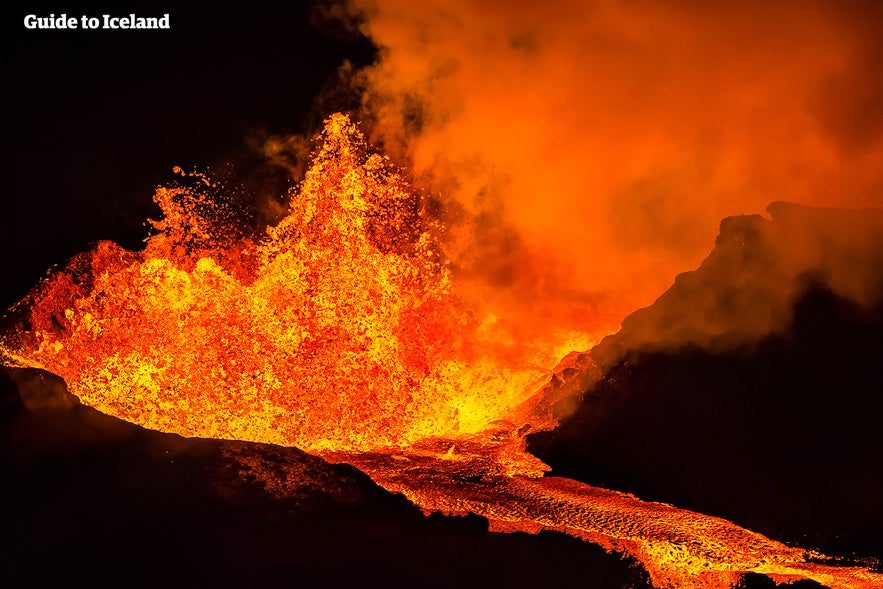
747 288
89 500
755 581
767 414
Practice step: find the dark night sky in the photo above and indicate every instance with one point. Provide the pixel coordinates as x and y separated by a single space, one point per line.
99 118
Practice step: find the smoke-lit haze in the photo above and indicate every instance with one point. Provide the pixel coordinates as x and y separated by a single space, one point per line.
587 151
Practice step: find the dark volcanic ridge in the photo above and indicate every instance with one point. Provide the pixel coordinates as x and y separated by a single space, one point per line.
90 500
750 390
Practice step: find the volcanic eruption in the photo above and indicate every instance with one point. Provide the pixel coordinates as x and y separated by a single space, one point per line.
338 333
428 324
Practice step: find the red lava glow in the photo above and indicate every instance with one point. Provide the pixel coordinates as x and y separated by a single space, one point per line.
340 332
337 331
679 549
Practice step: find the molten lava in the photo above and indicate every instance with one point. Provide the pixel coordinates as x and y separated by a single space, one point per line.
340 332
336 331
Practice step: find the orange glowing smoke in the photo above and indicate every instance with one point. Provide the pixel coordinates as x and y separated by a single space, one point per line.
590 148
338 330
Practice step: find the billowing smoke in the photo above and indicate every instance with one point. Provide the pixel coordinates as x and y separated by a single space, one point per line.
586 151
759 272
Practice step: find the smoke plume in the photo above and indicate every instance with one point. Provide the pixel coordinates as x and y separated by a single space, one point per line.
585 152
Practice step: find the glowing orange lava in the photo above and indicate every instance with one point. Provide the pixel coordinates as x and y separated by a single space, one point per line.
339 332
679 549
336 331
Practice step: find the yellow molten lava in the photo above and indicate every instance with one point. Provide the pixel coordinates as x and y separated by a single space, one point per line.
335 331
339 332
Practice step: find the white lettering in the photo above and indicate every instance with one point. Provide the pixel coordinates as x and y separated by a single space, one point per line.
32 21
63 21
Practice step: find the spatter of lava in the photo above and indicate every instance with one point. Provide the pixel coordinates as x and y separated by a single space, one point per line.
337 330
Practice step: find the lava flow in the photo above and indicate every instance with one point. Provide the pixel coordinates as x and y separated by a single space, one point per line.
678 548
339 332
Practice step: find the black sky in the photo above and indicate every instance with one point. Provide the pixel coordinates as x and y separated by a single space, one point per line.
99 118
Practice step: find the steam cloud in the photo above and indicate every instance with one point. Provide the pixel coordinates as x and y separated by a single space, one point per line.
587 151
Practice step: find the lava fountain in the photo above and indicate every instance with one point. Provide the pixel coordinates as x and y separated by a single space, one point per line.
339 331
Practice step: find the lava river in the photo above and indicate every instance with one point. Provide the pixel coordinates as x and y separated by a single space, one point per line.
339 331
